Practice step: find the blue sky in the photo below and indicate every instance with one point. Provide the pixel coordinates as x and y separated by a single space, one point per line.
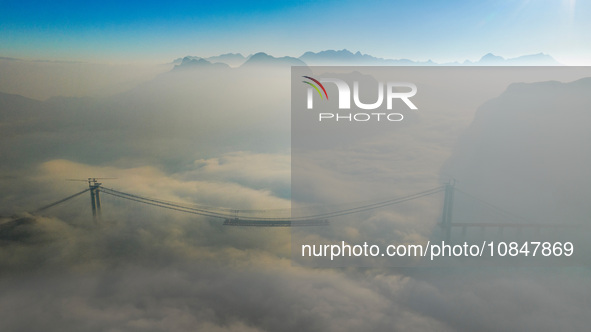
129 31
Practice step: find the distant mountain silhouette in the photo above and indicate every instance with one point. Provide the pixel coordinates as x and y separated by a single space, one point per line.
345 57
491 59
192 62
539 59
192 105
263 59
17 106
528 150
231 59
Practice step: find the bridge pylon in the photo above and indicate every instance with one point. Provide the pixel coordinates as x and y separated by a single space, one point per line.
448 204
95 198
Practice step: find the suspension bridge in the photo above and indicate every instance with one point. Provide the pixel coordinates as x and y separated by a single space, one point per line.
253 218
232 217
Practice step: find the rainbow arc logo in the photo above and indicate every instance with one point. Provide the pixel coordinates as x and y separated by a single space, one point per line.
316 86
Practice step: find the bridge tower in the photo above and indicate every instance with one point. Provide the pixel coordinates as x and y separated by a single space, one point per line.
95 199
448 204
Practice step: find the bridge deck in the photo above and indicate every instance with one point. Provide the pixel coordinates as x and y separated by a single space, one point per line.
276 223
512 225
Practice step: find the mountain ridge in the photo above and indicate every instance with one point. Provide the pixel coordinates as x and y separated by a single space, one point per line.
345 57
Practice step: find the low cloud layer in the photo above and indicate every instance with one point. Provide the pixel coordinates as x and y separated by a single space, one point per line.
148 269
